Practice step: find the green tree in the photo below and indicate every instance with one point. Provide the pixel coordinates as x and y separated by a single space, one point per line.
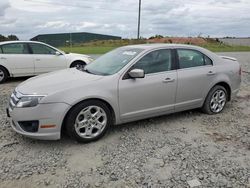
2 38
13 37
156 37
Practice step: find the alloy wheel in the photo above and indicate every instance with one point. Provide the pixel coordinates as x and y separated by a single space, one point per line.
1 75
218 101
90 122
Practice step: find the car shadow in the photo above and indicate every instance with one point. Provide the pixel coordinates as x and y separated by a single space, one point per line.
17 79
118 129
168 118
139 125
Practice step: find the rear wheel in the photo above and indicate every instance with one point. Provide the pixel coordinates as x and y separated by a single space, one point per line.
215 101
88 121
78 64
3 75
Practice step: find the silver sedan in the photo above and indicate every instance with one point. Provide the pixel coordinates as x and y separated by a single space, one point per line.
127 84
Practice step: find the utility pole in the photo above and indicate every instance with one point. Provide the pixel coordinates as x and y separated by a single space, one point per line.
70 40
139 20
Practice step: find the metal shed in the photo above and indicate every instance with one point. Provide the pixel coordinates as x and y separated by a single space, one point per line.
65 39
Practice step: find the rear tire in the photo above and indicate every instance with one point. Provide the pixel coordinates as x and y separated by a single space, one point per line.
88 121
78 64
215 101
3 75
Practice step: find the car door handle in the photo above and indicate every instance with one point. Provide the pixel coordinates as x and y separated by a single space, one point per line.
38 59
167 80
210 73
3 58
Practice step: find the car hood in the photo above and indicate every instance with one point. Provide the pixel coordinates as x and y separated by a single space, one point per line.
77 55
57 81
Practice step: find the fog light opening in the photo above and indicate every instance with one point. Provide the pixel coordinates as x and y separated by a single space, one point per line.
29 126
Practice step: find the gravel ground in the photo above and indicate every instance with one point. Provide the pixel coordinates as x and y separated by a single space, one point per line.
186 149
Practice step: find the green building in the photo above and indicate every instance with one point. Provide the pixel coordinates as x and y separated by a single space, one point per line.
66 39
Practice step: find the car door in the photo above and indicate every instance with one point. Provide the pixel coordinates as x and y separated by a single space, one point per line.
46 59
152 95
195 73
18 59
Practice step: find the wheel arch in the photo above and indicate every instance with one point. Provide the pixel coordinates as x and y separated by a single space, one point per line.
226 86
8 72
77 61
90 99
228 89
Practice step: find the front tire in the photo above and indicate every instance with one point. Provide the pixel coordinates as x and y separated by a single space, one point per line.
3 75
216 100
88 121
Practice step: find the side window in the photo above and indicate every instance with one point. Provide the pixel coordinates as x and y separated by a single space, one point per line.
192 58
41 49
156 61
1 51
15 48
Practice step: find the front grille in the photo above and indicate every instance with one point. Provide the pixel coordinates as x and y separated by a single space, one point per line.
14 99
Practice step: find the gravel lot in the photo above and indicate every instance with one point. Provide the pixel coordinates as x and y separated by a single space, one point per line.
167 151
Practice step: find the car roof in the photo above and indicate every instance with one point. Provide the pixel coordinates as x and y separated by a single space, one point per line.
155 46
19 41
162 45
148 47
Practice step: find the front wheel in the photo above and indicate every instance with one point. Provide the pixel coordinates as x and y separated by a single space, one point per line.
3 75
215 100
78 65
88 121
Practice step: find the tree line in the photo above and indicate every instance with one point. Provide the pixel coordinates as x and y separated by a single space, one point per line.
9 37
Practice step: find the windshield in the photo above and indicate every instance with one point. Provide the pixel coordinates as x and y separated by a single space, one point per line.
113 61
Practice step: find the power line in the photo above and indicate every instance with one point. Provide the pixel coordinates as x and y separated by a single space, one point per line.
99 1
184 4
200 3
123 10
75 6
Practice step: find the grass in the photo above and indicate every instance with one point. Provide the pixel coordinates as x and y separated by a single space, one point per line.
88 49
225 48
101 47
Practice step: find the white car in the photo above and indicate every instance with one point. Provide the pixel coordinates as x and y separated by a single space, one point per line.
28 58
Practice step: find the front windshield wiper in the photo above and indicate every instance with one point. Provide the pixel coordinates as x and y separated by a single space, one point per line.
86 70
95 73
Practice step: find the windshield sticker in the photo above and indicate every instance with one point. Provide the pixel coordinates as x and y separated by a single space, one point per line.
124 61
131 53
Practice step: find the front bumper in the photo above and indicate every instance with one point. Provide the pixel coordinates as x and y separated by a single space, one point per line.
45 114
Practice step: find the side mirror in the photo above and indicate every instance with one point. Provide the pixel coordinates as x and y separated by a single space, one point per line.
57 53
137 73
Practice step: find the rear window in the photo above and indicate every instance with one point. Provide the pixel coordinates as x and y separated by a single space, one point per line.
192 58
16 48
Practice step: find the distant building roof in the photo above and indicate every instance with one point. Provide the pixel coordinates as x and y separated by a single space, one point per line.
62 39
73 33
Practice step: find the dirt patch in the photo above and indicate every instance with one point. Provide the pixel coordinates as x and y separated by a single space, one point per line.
179 40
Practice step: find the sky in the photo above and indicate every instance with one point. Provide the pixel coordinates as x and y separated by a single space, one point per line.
188 18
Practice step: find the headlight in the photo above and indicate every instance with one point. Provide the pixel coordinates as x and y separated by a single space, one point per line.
29 101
